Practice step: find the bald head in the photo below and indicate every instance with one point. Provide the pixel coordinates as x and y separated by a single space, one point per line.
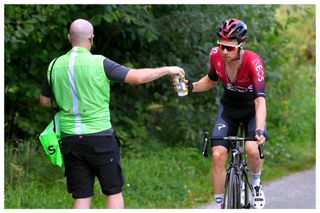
81 33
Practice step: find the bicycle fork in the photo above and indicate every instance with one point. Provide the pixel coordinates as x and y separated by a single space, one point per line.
232 187
238 190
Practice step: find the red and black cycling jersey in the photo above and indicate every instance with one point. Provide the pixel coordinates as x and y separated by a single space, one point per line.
249 83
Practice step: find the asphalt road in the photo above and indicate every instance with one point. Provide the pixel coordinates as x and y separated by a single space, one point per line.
296 191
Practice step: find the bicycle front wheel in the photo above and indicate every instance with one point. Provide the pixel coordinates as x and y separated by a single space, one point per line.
232 190
247 192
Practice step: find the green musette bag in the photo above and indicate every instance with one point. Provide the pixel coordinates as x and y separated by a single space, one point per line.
50 141
51 136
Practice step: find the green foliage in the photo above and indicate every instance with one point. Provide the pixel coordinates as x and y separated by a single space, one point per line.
175 34
291 119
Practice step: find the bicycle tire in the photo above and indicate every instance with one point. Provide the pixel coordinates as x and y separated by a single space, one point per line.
248 198
232 191
228 191
237 192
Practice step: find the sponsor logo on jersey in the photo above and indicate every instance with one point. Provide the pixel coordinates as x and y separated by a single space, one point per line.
259 69
238 88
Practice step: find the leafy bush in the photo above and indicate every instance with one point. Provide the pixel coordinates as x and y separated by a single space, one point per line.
126 34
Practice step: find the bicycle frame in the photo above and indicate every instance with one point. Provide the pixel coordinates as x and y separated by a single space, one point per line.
237 189
237 186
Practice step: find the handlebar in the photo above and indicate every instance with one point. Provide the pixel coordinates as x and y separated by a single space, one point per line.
236 138
205 144
261 154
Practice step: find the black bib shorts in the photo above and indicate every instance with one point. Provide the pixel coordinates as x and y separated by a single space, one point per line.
227 123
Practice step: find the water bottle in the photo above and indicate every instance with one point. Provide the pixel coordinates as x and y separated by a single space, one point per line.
182 87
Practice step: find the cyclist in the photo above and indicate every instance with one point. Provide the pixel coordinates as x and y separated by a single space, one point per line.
242 74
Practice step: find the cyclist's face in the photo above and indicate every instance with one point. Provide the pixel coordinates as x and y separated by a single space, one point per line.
229 49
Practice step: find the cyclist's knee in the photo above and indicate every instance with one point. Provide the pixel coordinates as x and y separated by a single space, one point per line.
219 154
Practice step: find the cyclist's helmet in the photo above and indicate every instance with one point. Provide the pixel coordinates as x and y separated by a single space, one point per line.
232 29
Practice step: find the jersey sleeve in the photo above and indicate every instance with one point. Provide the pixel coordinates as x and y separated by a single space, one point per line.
257 73
212 74
115 71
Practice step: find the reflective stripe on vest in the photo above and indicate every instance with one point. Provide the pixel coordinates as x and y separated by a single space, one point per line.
77 121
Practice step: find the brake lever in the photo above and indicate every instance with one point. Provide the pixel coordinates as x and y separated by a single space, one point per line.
205 144
261 154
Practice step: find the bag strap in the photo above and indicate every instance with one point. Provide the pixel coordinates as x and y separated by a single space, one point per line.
52 97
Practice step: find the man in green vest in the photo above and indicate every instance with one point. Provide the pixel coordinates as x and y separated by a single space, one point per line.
80 82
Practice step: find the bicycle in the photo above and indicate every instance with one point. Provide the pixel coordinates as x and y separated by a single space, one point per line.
238 191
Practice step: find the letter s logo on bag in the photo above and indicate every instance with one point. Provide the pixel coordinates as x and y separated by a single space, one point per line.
51 149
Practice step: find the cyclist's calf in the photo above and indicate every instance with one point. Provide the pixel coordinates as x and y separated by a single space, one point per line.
254 160
252 149
219 158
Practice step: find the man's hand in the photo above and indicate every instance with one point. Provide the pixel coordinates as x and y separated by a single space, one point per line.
174 70
46 102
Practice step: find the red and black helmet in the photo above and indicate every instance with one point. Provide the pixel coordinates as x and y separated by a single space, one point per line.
232 29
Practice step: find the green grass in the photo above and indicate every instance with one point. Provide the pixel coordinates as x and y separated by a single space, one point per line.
165 178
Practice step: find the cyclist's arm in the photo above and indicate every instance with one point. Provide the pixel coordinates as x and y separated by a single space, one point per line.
208 81
203 84
261 112
257 73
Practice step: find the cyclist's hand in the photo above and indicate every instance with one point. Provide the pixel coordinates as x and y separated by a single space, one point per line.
260 136
175 85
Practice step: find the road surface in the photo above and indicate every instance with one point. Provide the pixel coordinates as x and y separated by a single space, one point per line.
297 191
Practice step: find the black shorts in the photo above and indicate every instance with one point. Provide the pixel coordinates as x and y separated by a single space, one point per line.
228 120
88 156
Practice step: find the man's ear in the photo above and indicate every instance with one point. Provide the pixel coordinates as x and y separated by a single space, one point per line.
69 38
91 38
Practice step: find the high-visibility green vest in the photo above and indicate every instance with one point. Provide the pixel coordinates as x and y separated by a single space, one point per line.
82 92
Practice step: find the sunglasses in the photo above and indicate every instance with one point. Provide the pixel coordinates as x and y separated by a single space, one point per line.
228 47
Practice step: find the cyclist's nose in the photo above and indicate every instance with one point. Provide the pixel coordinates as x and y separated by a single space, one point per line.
225 52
